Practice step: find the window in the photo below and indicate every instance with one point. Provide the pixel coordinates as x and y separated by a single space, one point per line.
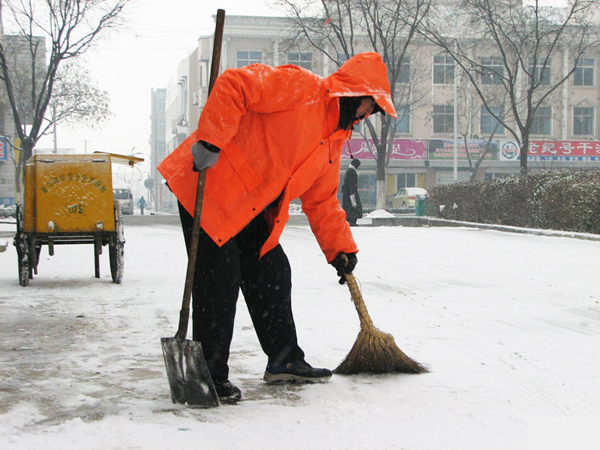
402 123
542 122
443 118
584 73
404 180
489 124
404 75
492 70
443 69
583 120
302 59
540 72
202 74
247 57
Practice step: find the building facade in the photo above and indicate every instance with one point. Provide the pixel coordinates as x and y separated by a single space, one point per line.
425 149
158 146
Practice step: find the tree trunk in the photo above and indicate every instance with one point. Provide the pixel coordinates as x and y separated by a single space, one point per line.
25 153
477 165
381 182
524 152
381 194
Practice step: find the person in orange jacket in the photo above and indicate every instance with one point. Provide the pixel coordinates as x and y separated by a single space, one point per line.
268 135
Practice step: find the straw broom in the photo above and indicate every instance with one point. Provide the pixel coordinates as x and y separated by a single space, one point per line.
374 351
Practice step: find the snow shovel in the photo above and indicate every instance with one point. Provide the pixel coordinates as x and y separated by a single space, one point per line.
189 378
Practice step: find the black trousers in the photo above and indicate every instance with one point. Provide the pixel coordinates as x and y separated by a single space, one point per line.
266 284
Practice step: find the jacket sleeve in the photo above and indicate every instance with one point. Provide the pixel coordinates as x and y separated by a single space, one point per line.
327 219
257 88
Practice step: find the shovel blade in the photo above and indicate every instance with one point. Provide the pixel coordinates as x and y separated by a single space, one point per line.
189 378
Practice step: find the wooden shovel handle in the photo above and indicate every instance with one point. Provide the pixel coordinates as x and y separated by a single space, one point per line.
184 315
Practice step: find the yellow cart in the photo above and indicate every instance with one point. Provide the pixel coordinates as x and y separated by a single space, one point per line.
69 200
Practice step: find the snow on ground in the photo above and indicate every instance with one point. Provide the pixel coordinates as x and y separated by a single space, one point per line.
508 324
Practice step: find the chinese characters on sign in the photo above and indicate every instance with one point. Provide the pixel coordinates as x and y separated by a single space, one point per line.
503 150
553 151
420 149
401 149
49 183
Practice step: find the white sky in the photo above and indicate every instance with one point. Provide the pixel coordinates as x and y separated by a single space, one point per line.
128 65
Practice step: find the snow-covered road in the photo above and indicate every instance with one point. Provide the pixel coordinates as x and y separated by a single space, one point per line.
508 324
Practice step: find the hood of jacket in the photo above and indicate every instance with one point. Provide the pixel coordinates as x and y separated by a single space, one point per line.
362 75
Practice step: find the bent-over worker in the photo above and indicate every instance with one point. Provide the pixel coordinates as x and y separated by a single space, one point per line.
268 135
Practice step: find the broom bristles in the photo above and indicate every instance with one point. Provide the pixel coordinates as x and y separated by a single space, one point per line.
374 351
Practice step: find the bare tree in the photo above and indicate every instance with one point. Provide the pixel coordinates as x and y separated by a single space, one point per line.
69 28
341 28
525 52
76 98
469 115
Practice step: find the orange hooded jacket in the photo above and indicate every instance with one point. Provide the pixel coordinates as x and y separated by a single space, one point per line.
277 131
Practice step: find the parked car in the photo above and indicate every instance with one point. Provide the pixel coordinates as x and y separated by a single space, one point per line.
406 198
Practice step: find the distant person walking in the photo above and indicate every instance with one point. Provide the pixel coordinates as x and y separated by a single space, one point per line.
350 198
142 204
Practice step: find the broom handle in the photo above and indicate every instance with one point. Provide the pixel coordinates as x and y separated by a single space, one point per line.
365 320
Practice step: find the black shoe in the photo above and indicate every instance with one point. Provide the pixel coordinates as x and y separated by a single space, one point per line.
297 371
227 392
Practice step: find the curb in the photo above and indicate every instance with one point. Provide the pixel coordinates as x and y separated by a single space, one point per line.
416 221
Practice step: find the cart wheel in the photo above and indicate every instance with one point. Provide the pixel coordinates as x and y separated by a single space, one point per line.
22 245
116 247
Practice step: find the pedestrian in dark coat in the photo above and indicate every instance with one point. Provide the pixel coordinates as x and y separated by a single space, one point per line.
350 198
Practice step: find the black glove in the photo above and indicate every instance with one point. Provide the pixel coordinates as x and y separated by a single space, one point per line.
344 263
205 155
